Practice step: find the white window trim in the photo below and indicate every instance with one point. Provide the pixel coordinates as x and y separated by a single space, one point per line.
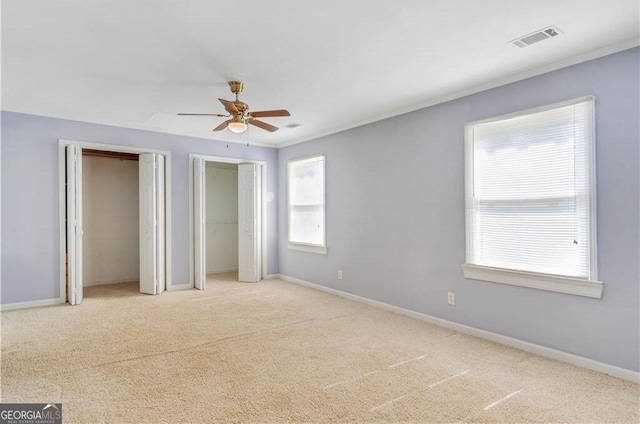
534 280
320 249
309 248
549 282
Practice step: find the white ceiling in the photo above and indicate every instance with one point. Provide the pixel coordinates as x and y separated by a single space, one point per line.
333 64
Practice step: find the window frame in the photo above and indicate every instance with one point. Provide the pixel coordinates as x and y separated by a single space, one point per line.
551 282
320 249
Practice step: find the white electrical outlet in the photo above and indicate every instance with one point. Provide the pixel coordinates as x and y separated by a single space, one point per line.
339 274
451 298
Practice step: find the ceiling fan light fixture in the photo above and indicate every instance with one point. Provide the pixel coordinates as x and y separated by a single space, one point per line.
237 127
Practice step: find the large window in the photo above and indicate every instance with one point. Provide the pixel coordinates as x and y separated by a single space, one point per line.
306 204
530 199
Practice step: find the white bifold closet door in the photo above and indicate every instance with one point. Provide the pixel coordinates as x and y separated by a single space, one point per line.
152 223
74 223
249 219
199 224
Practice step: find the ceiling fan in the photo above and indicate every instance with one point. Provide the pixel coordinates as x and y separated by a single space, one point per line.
239 113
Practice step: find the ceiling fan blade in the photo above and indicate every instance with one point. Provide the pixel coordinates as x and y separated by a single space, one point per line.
262 125
229 106
223 125
201 114
269 113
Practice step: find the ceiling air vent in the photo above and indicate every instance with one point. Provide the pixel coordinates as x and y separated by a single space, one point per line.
535 37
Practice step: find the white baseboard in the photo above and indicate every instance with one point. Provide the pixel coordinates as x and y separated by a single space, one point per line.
105 282
175 287
31 304
272 277
570 358
221 270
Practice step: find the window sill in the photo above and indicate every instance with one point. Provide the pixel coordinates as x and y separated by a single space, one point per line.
309 248
533 280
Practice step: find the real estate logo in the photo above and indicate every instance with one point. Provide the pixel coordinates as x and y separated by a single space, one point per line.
30 413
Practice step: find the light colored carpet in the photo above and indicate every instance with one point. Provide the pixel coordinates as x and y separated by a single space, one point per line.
277 352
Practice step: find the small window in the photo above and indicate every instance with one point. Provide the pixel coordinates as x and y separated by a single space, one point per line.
306 187
530 199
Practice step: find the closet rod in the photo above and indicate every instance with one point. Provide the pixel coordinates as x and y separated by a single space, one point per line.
107 154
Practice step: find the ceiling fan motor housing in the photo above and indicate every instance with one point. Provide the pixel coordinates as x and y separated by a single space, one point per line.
241 106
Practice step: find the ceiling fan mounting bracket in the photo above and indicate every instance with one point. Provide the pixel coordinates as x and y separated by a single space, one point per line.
236 87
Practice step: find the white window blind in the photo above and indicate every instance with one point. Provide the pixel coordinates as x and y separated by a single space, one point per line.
306 201
529 192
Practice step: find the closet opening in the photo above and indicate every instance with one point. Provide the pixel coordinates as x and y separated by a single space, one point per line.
221 220
114 232
111 224
228 204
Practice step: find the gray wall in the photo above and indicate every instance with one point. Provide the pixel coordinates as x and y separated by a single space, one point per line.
30 217
395 220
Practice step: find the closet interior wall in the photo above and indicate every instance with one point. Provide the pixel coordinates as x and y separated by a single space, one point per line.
110 217
221 212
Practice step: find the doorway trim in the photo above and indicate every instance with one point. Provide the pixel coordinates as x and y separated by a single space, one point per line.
263 208
62 143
